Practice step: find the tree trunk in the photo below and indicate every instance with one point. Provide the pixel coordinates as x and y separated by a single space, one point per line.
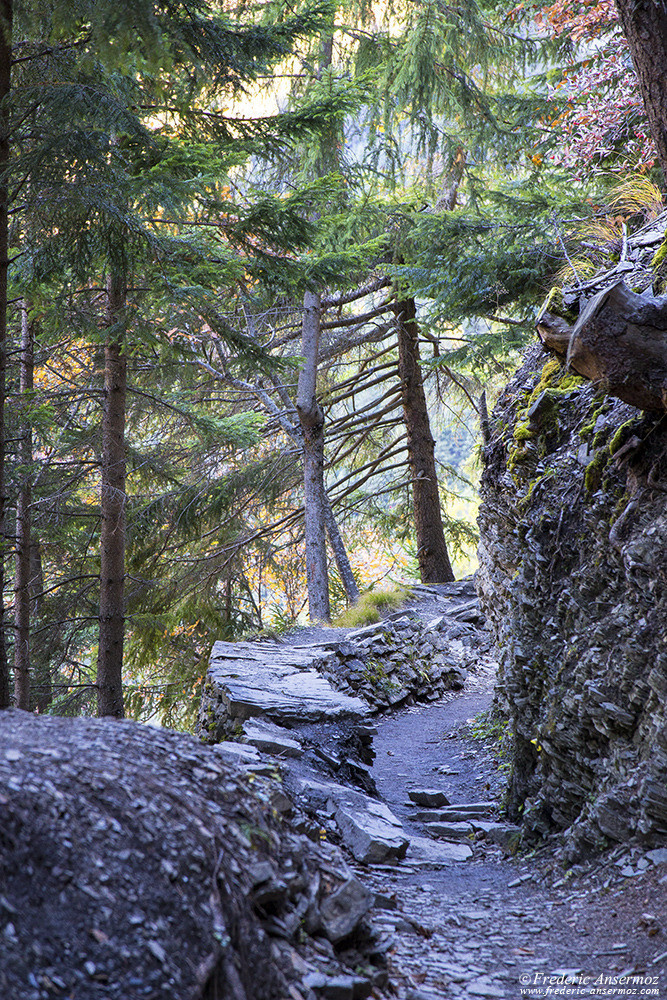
6 17
434 564
645 27
618 341
112 541
340 553
23 581
41 683
311 419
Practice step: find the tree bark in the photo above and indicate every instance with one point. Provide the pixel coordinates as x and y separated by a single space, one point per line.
618 341
644 24
340 553
311 419
23 579
41 681
6 19
113 498
434 564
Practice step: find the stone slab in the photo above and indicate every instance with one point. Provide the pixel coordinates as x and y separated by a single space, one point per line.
423 850
269 738
455 814
370 829
281 683
449 831
431 797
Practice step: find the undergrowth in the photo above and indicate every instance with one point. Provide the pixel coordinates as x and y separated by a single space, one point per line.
370 606
490 727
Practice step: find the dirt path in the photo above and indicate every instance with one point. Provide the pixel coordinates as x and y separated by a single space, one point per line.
502 927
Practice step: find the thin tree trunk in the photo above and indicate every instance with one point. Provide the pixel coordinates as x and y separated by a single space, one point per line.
311 419
112 541
340 553
23 597
434 564
645 27
6 17
41 685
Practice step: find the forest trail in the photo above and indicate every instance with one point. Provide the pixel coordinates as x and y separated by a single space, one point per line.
497 925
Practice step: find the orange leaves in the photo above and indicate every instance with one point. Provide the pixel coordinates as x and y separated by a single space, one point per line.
582 20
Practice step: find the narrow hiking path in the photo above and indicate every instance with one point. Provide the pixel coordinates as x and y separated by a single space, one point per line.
497 925
492 925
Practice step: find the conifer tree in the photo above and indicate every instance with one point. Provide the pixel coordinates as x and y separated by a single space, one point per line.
6 26
125 90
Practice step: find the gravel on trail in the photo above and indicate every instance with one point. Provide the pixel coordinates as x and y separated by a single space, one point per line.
498 925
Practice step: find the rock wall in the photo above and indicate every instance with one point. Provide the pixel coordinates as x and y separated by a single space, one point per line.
348 674
573 574
392 661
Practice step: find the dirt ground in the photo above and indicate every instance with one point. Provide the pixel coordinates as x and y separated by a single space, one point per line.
507 926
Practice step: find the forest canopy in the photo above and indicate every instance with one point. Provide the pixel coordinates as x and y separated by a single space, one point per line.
262 269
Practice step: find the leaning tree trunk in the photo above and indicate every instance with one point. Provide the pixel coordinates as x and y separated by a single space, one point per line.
434 564
340 553
311 419
645 27
112 540
23 578
6 17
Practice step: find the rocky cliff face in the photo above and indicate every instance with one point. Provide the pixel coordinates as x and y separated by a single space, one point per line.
573 574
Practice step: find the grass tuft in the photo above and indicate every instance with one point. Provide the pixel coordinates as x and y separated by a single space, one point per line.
370 606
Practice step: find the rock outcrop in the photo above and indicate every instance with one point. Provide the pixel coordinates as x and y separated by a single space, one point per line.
349 674
573 579
136 863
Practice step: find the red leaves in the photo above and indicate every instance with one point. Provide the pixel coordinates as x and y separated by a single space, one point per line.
602 121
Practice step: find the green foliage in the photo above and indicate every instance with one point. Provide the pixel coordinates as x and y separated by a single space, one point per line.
135 147
370 607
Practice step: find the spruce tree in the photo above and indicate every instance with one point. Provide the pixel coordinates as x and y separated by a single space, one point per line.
120 143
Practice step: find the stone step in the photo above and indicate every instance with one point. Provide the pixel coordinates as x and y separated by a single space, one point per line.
436 854
449 831
432 797
460 812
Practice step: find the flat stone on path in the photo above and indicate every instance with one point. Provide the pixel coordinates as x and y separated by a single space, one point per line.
469 809
449 831
431 797
280 682
423 850
270 738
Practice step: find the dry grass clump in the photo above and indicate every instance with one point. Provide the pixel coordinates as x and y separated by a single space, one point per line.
371 606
